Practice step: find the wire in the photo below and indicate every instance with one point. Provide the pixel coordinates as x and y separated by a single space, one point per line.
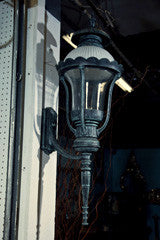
107 23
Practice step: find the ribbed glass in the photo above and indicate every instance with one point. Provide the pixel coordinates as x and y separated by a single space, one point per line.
89 51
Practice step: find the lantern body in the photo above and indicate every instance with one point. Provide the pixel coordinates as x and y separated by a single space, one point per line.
97 82
97 79
90 73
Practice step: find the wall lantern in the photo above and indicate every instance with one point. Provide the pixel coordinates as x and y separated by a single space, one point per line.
90 72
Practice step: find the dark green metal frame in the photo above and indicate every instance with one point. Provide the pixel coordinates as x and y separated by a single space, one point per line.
85 122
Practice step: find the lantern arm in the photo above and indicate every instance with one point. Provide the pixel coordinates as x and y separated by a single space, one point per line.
100 130
49 142
67 105
63 152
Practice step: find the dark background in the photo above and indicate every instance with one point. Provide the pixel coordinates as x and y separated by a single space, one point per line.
133 130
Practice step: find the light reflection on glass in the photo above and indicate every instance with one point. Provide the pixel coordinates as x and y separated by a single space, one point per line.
97 83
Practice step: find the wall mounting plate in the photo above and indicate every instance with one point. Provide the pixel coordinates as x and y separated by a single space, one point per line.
48 130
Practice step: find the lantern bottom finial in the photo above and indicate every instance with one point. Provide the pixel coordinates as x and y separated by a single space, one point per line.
85 182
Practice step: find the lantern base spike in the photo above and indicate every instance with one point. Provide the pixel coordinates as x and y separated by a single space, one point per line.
85 182
85 216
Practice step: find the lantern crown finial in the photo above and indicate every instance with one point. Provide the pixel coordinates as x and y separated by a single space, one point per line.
92 21
91 36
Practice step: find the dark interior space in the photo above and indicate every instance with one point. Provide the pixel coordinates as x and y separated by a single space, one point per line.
125 194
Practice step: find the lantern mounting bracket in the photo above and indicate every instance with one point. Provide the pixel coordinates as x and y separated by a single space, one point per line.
49 142
48 130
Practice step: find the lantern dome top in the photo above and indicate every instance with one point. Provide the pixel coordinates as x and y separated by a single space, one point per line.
89 51
90 43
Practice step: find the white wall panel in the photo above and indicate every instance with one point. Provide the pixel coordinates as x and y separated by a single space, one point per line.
48 184
7 96
30 153
38 173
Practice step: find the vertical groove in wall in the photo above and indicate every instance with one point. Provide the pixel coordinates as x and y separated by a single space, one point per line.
20 82
40 156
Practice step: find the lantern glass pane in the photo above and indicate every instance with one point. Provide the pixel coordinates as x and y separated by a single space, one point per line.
97 82
74 78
